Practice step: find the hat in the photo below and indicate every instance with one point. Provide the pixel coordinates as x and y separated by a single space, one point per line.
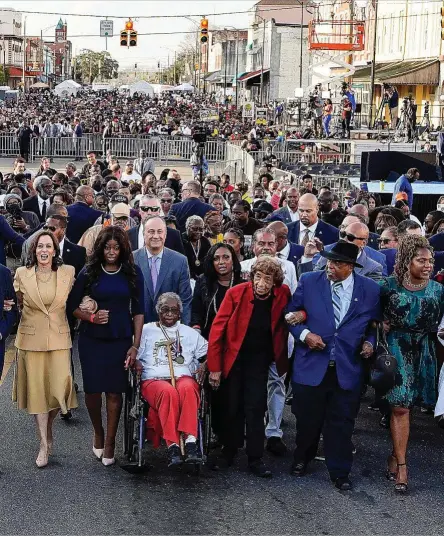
121 209
264 206
344 252
119 198
350 194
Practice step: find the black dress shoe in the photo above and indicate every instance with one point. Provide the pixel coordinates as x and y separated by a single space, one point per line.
298 469
343 484
259 468
66 416
174 455
192 453
276 446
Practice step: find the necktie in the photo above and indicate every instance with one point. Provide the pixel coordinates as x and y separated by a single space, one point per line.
306 237
336 302
154 273
44 211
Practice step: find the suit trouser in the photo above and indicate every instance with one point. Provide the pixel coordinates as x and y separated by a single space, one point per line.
244 394
275 402
329 409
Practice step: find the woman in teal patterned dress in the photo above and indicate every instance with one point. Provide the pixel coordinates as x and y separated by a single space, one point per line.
413 306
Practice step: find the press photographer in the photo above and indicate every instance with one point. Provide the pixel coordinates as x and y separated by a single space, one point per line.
391 98
21 221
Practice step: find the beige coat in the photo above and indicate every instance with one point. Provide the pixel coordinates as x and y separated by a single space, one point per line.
42 329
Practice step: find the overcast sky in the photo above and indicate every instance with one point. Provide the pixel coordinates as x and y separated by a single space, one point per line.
150 47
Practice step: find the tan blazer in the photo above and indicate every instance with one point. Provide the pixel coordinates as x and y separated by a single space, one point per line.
42 329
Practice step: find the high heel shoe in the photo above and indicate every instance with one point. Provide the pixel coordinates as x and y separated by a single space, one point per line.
401 487
390 475
108 461
98 453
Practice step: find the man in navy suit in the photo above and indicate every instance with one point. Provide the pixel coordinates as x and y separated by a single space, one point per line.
288 214
71 254
8 310
190 206
309 225
81 215
150 206
285 249
362 211
163 270
328 369
356 233
7 234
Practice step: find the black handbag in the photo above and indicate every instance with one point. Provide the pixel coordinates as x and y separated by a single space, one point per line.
384 365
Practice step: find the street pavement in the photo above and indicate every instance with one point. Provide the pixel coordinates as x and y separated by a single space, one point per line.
75 494
59 164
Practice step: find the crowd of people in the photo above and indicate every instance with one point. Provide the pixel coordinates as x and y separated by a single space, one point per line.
278 292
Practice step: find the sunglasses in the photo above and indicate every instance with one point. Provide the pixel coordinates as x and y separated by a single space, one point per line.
171 310
386 240
50 228
166 200
149 209
350 237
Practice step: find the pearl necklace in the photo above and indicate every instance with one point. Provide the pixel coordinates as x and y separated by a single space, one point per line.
111 273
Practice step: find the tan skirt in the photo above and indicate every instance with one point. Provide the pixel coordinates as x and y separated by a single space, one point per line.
43 381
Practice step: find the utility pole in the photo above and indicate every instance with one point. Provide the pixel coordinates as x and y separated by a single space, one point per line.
225 62
237 66
373 70
301 51
262 66
174 68
24 54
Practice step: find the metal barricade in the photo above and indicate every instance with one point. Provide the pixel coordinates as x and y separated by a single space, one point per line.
9 145
59 147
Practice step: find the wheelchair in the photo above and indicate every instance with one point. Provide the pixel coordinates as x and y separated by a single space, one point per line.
135 415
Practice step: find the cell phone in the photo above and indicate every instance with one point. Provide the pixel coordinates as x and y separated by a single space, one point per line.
27 176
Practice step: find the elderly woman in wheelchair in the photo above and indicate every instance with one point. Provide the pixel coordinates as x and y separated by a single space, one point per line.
170 354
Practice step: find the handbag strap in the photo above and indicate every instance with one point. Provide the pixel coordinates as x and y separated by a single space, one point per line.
381 339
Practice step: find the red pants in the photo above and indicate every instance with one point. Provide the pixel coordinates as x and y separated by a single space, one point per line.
175 408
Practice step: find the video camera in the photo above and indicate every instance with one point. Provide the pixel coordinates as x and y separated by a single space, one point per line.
200 135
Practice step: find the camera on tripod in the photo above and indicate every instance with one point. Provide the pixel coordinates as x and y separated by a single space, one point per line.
200 136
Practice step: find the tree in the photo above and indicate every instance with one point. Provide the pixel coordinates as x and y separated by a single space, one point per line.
90 65
4 76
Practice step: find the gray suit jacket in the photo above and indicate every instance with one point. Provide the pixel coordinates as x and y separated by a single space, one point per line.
174 276
370 268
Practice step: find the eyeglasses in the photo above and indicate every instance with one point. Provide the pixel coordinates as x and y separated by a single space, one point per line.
170 200
386 240
350 237
50 228
149 209
196 229
172 310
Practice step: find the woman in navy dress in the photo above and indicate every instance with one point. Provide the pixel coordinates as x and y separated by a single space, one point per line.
108 300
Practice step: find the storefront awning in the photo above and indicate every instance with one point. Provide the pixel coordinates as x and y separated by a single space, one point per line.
15 72
407 73
213 77
251 74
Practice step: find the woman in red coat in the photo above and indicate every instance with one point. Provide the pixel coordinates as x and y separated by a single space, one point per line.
248 333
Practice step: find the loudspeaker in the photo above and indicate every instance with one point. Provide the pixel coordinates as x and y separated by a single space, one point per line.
358 108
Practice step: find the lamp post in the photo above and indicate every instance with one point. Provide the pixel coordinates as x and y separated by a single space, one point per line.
41 46
198 53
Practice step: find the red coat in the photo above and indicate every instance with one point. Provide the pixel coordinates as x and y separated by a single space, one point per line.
231 323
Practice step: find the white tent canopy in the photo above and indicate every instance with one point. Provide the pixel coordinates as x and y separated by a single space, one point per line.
67 88
184 87
141 87
159 88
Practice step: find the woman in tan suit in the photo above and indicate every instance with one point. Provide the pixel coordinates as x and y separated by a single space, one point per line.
43 384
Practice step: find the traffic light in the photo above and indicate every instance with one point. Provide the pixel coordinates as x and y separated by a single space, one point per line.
132 38
204 30
123 38
135 66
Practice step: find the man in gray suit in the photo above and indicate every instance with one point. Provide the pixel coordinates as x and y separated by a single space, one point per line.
163 270
357 233
289 213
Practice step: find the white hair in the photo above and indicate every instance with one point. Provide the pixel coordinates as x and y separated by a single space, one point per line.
167 296
192 220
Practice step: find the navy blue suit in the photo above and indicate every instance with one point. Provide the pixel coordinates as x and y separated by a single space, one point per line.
74 255
80 218
390 256
295 254
326 397
439 262
437 242
190 207
373 240
7 318
281 214
7 234
173 239
174 276
326 233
